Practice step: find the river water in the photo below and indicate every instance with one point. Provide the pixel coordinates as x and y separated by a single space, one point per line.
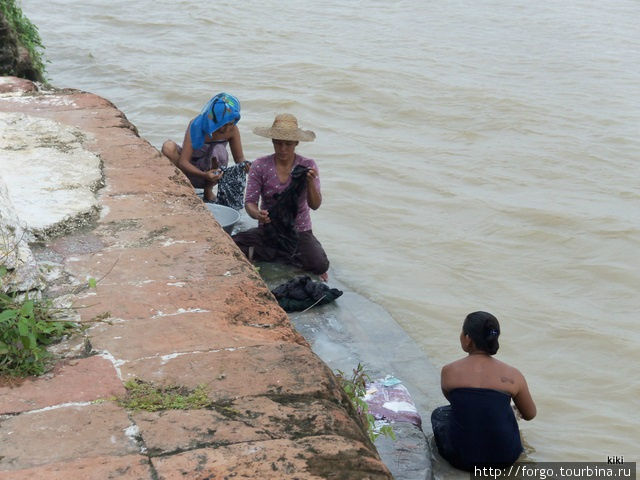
473 155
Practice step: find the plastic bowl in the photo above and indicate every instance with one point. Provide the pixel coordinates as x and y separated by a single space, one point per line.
227 217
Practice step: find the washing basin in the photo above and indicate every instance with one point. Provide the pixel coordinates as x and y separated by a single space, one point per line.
227 217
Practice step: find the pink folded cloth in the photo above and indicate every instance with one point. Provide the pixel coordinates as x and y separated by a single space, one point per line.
388 399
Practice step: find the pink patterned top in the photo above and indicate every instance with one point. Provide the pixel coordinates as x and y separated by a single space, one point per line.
263 183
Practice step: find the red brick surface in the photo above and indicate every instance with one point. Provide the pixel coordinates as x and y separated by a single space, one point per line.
183 308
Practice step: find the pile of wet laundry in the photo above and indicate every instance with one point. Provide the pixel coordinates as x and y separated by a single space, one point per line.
301 293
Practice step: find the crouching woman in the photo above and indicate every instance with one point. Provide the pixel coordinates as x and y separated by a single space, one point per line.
479 427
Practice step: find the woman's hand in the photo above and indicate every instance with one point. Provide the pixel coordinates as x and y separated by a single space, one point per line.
314 197
263 216
213 176
254 212
312 174
516 412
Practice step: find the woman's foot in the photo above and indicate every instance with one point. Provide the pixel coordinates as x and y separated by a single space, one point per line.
208 195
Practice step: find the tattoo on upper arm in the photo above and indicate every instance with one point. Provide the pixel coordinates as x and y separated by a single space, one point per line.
507 380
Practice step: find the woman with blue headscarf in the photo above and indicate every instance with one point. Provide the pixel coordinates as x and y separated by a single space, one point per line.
204 154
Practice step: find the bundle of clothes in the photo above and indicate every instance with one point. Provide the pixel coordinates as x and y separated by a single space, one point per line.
302 293
232 185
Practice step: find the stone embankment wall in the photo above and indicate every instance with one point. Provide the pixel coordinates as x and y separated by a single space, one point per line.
176 304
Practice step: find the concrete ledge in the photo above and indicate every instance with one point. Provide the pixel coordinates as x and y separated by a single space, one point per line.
131 467
319 457
185 308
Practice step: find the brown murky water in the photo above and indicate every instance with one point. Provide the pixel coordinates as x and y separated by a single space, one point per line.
473 156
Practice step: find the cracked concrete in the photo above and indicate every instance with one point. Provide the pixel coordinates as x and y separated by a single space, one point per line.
176 304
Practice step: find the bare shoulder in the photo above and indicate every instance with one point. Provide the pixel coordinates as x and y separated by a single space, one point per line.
450 368
506 370
513 371
233 132
446 376
456 363
451 373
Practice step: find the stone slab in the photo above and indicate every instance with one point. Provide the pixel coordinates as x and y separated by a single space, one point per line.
119 208
191 224
127 467
304 459
69 106
281 369
133 152
78 380
148 284
253 419
16 85
178 334
133 180
64 434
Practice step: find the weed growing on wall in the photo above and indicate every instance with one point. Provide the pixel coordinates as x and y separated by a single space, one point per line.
356 389
26 328
145 396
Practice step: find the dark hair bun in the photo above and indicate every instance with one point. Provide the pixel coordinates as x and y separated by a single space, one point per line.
484 329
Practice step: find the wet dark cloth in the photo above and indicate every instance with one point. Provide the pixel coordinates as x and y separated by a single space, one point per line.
309 254
479 428
280 231
301 293
231 186
263 183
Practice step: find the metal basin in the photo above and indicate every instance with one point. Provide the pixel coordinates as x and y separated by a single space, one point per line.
227 217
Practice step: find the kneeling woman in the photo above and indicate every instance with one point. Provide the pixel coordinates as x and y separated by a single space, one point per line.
287 185
479 428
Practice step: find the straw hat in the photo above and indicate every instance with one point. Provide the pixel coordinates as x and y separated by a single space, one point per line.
285 127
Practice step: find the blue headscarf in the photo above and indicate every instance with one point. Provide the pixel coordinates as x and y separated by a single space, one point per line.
220 110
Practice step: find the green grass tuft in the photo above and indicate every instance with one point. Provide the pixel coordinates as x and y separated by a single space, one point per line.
145 396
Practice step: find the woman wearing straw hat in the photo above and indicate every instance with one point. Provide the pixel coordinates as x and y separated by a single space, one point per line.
271 179
204 149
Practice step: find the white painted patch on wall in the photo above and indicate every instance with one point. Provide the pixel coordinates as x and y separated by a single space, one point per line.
61 405
116 363
170 242
180 311
50 177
